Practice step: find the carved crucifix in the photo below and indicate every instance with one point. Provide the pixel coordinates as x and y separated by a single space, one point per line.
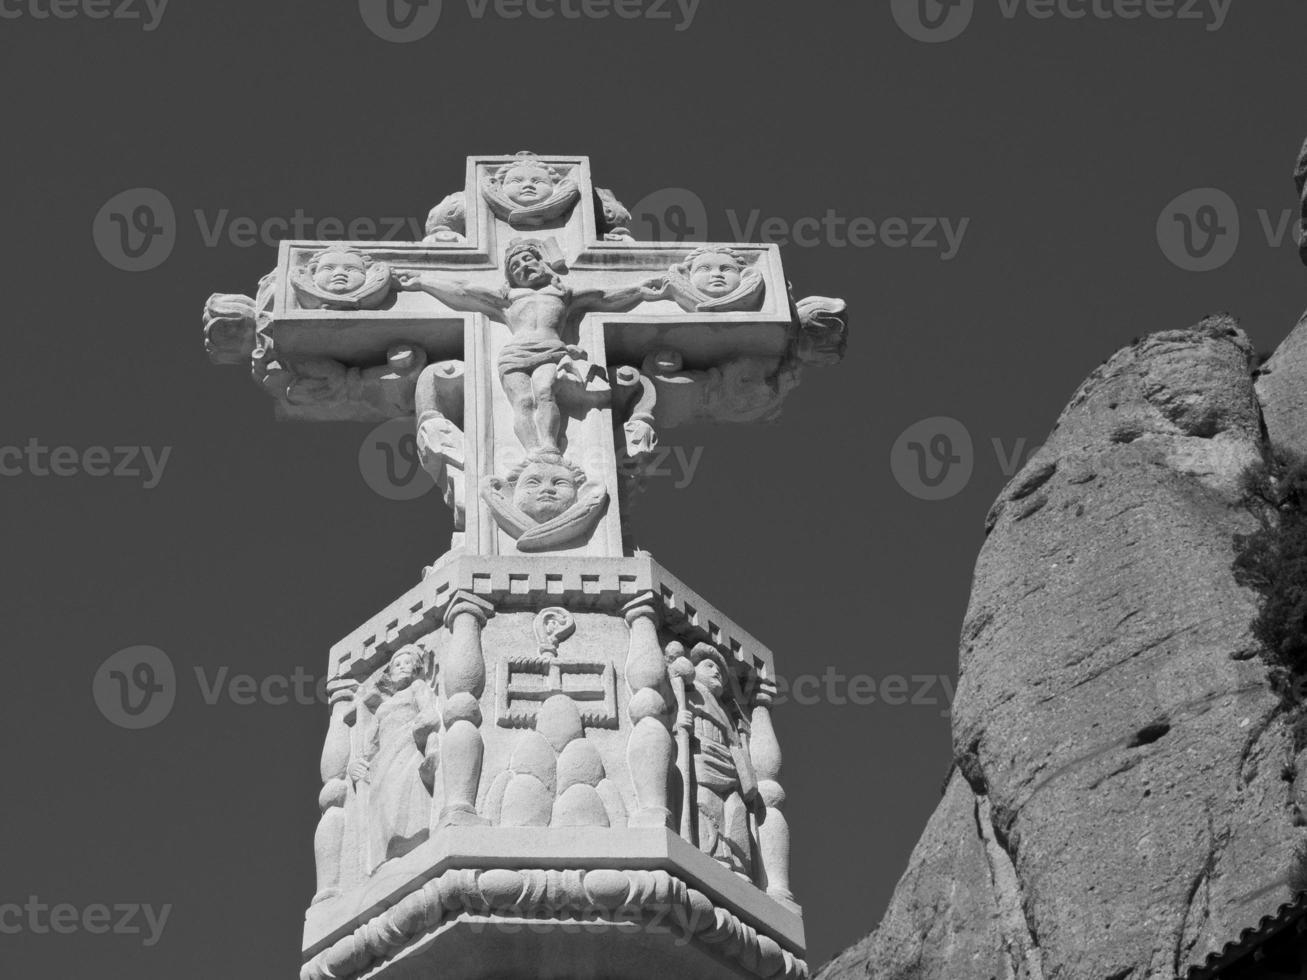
539 348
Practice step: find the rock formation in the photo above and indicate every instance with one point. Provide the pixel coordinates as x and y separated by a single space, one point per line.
1123 796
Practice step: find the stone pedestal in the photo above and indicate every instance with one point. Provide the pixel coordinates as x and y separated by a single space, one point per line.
582 854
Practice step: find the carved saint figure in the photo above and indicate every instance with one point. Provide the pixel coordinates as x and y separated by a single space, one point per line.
529 192
341 278
716 280
396 758
537 305
724 781
546 502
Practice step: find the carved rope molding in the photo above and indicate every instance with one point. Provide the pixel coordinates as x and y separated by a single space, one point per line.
655 899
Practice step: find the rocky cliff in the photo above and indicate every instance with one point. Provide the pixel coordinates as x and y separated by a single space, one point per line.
1123 794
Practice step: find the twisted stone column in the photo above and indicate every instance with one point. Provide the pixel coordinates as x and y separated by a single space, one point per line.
330 837
773 829
649 750
463 679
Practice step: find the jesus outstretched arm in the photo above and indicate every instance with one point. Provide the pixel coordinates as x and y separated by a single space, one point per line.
458 294
622 299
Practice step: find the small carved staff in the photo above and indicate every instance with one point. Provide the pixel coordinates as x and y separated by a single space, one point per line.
681 669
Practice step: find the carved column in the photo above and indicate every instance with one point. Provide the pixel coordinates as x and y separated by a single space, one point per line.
463 679
773 829
650 749
330 837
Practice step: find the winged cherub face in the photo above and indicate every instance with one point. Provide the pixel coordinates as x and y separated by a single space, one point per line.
340 272
716 274
545 490
528 184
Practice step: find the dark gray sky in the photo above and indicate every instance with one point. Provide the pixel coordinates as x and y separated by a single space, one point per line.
1062 141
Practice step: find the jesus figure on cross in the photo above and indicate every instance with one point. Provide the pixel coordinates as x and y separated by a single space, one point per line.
537 305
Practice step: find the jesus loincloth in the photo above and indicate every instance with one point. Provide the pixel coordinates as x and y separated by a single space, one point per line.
530 355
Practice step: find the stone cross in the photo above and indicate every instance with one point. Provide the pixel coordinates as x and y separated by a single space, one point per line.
520 387
540 352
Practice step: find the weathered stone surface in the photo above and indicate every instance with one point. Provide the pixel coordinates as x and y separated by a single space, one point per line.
1126 768
1300 179
1282 389
945 917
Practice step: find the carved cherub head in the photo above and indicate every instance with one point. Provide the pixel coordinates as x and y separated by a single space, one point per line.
339 269
339 277
545 485
527 182
528 192
546 502
717 278
716 272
